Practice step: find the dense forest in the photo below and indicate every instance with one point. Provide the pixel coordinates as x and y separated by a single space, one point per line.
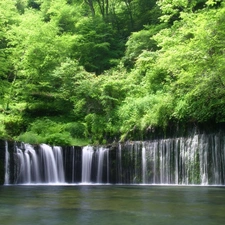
77 72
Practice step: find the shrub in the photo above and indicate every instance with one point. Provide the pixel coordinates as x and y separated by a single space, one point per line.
76 129
46 126
14 125
31 138
62 139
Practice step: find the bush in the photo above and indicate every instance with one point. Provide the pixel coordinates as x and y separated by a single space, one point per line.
46 126
46 131
31 138
2 128
62 139
76 129
95 127
14 125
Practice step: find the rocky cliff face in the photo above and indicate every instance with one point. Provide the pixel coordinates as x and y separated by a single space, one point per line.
193 160
2 161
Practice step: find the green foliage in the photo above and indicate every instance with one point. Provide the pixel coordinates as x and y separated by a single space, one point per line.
62 14
171 9
67 77
145 112
75 72
141 41
95 125
14 125
8 17
46 126
95 49
30 137
3 133
191 56
76 129
48 131
63 139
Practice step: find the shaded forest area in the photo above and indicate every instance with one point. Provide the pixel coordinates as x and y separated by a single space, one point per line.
77 72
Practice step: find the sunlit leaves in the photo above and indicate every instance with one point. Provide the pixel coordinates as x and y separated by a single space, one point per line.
8 16
183 80
144 112
192 55
174 71
139 42
212 2
171 9
62 14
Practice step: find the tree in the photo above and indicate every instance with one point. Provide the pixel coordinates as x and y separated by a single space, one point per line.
191 54
171 9
8 17
90 3
61 13
95 45
140 42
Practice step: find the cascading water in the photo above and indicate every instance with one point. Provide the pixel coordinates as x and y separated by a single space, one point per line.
199 159
57 151
73 166
144 165
39 166
33 164
101 153
7 161
94 165
87 155
119 164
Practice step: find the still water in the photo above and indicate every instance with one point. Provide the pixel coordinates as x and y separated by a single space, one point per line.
112 205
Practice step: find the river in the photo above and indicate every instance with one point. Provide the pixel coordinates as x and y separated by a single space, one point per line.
111 205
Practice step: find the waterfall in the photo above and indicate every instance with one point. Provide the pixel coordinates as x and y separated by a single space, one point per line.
101 153
144 165
33 164
52 163
27 167
119 167
73 165
42 166
21 176
107 165
198 159
95 165
87 155
7 161
59 163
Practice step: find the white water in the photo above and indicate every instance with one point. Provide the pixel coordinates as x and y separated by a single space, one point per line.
7 164
87 154
52 163
42 166
95 162
101 153
33 164
119 167
197 160
107 162
185 161
73 164
57 151
144 165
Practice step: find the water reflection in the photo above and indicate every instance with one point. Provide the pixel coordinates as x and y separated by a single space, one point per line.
111 205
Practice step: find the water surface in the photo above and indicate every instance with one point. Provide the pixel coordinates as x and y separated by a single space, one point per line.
112 205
